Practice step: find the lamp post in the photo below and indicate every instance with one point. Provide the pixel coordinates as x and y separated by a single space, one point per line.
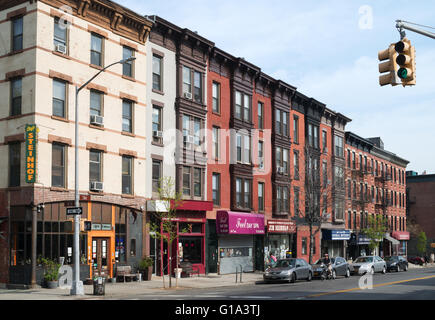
77 285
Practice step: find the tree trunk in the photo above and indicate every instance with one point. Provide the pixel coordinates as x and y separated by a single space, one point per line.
310 258
170 264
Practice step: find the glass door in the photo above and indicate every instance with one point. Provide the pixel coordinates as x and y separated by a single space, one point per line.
100 265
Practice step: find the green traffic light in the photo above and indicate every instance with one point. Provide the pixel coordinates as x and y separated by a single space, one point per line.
402 73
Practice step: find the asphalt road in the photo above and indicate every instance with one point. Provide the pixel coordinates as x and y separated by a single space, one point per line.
415 284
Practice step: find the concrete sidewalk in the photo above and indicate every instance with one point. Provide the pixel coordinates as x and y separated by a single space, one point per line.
120 289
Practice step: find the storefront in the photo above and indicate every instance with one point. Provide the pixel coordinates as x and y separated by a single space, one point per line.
334 242
358 245
390 246
403 238
281 239
236 240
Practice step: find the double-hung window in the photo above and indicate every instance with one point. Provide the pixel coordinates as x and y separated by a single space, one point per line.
58 165
216 96
127 116
296 165
96 50
192 181
187 82
191 131
260 112
192 90
156 175
296 129
216 188
261 196
96 103
282 205
157 73
243 193
281 122
127 175
95 165
60 34
324 141
243 106
338 146
216 145
282 160
59 98
14 164
261 154
16 94
243 148
187 180
296 201
157 124
128 67
17 34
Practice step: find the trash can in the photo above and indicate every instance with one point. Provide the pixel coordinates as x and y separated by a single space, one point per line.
99 286
178 272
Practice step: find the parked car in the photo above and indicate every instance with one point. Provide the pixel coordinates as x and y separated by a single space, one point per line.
340 267
416 260
288 270
396 263
369 264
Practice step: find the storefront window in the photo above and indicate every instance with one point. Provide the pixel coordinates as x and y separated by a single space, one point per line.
235 252
192 249
190 227
279 245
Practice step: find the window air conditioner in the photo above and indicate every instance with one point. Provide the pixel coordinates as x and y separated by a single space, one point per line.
188 95
60 48
97 120
158 134
96 186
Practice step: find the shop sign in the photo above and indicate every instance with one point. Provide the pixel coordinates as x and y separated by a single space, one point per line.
228 222
31 140
96 226
401 235
280 226
335 234
106 227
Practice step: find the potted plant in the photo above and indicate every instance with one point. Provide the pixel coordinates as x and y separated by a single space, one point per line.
146 268
51 273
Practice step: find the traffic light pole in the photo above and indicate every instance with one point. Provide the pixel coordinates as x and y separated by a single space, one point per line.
400 25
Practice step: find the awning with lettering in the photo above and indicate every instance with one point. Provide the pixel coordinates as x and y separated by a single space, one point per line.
230 222
335 234
281 226
401 235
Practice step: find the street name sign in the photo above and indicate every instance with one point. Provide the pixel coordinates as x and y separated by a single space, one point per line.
74 211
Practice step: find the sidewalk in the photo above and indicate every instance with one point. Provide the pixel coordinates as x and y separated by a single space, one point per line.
120 289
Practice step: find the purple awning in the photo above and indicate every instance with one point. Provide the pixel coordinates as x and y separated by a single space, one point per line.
230 222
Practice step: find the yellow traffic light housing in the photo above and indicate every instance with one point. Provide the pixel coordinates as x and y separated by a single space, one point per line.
406 61
389 67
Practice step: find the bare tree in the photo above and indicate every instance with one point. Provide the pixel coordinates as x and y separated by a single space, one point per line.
165 227
318 193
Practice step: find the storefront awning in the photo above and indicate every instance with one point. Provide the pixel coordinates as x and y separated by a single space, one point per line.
335 234
401 235
193 205
281 226
392 240
230 222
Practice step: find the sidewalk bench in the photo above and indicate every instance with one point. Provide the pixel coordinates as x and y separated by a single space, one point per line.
188 269
125 273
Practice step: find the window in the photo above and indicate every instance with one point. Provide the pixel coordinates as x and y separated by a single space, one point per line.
349 220
281 122
282 200
324 141
243 103
187 81
197 86
296 201
186 181
157 73
188 74
216 139
58 165
96 50
313 136
128 67
96 103
339 146
95 166
349 189
243 148
197 189
17 34
191 130
296 129
243 193
353 161
304 245
325 173
59 98
282 159
16 94
157 174
127 176
296 165
157 124
127 116
261 154
14 164
260 112
260 196
216 188
216 97
60 33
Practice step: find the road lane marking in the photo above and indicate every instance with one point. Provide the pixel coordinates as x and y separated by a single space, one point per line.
374 286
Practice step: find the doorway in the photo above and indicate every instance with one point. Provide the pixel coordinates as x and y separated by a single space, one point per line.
100 257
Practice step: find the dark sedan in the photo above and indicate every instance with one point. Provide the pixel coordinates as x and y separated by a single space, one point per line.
396 263
340 267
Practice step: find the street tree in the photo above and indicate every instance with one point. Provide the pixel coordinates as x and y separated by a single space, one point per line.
421 243
377 226
164 225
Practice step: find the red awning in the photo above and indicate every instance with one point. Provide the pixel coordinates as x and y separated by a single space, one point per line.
401 235
193 205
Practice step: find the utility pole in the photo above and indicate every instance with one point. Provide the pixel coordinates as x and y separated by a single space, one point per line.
400 25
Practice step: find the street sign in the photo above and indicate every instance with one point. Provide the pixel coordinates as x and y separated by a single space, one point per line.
74 211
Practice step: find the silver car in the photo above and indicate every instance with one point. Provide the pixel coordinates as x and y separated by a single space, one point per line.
369 265
288 270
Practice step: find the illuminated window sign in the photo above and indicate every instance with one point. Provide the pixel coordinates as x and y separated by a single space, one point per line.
31 139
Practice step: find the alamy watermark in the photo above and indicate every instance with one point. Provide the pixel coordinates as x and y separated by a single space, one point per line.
366 17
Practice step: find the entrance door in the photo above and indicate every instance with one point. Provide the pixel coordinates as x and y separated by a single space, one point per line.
100 257
154 252
212 257
259 253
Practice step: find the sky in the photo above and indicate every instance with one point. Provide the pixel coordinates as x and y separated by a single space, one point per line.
329 51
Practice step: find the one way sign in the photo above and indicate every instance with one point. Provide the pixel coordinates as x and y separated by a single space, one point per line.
74 211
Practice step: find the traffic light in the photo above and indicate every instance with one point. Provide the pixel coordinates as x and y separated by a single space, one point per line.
388 67
406 61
